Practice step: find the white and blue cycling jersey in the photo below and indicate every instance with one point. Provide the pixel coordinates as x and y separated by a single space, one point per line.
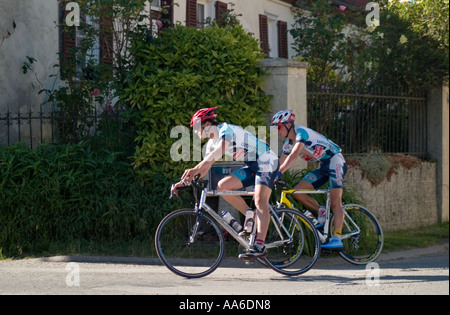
332 166
319 147
261 163
243 145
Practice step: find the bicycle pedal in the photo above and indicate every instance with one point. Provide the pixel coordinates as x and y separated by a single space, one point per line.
245 258
331 251
248 261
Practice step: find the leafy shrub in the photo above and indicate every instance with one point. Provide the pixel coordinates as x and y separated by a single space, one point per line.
375 167
378 167
183 70
71 192
408 51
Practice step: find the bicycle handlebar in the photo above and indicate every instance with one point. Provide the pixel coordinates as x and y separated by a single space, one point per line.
281 184
197 184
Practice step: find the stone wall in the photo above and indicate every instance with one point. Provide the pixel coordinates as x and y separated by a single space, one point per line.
407 200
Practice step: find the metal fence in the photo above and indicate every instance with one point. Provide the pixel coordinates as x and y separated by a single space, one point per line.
109 129
357 122
368 122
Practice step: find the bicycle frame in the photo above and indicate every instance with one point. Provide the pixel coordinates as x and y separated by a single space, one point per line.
285 201
326 230
202 205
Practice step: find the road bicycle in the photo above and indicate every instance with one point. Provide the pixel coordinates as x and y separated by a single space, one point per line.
191 243
362 235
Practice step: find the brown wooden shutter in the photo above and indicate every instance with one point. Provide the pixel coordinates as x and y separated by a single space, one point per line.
221 9
107 38
167 15
68 45
191 13
282 40
264 34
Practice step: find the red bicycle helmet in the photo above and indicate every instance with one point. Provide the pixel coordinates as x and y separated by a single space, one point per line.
204 114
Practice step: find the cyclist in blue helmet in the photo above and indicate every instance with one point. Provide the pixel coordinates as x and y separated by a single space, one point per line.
313 147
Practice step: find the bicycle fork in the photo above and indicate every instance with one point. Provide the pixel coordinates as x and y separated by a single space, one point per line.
195 229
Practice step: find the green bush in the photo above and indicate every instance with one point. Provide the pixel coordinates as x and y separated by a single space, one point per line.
186 69
70 192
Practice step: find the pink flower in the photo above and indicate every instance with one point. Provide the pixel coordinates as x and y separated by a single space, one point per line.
342 8
95 92
159 23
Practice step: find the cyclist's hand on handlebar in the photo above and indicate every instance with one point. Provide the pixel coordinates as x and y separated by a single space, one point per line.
176 186
279 182
277 178
189 175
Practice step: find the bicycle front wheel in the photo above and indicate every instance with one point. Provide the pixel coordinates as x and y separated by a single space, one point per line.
292 243
190 244
362 236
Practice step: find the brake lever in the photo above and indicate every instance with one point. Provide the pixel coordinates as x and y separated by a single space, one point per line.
281 184
171 191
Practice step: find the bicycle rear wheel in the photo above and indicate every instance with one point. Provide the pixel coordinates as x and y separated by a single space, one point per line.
190 244
292 243
362 236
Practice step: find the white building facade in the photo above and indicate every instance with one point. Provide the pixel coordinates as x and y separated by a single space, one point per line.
267 20
32 29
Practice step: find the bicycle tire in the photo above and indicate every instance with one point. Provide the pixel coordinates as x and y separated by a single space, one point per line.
178 254
300 255
364 247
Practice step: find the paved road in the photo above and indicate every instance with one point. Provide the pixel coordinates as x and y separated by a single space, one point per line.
409 272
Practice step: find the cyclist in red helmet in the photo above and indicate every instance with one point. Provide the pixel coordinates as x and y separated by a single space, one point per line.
261 167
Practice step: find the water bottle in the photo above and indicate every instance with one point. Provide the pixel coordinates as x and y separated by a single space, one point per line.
322 214
249 221
311 217
231 221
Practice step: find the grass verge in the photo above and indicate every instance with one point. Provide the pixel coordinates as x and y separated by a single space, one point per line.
416 238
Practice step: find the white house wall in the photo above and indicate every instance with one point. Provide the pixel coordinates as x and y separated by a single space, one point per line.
275 10
37 35
250 10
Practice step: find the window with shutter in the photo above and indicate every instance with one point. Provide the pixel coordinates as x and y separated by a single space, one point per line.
154 17
68 39
221 9
106 40
191 13
101 50
282 40
264 34
201 15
